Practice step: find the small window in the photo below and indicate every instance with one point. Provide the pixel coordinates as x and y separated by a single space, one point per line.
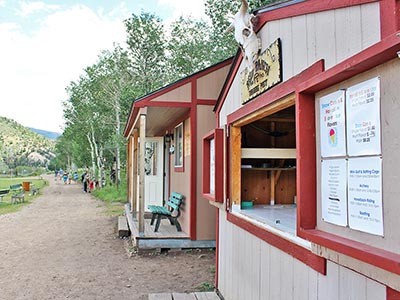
178 136
213 166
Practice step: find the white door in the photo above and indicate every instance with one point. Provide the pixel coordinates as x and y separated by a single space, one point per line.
153 170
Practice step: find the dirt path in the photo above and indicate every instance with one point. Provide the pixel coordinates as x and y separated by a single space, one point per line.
63 246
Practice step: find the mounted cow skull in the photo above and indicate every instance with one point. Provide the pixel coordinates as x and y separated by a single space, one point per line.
245 35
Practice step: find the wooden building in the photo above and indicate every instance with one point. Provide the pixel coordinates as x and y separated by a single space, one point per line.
303 164
164 132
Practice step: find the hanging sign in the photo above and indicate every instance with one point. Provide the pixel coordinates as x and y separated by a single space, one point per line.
363 118
333 191
332 124
265 74
365 194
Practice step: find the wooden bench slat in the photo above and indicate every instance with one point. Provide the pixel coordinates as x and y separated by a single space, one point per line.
173 205
177 195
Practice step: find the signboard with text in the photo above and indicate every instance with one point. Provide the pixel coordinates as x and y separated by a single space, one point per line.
265 74
365 194
333 191
351 162
363 118
332 125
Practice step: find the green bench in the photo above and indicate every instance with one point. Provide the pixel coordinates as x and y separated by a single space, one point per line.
18 195
171 211
3 193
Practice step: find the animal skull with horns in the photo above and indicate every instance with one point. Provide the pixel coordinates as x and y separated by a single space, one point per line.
244 34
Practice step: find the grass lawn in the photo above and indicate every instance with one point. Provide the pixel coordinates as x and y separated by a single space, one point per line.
5 206
114 199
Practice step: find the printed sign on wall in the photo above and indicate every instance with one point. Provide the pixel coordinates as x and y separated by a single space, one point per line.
363 118
332 125
333 191
365 194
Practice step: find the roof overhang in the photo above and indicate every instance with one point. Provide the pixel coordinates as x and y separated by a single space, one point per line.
159 119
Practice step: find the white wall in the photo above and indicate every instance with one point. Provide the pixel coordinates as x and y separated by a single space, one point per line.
250 269
331 35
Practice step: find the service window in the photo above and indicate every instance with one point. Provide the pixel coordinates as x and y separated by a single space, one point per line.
263 168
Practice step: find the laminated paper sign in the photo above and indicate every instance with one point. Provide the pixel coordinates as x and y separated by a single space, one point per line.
365 194
363 118
333 191
332 125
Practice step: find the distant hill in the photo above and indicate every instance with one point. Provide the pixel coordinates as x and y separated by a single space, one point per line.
49 134
20 146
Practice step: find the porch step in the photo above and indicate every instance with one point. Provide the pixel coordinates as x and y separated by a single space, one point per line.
185 296
123 230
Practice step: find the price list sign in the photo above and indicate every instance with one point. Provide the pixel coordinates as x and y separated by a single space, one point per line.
363 118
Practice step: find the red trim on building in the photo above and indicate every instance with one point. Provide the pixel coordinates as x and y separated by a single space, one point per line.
131 120
206 158
380 258
306 163
392 294
306 7
216 247
306 256
206 102
144 101
193 163
218 136
166 104
228 84
182 82
390 13
277 92
367 59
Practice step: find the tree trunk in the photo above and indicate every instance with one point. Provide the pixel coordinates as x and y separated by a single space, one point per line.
117 131
92 153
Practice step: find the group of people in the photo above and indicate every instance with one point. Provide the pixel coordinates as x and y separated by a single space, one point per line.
88 183
67 177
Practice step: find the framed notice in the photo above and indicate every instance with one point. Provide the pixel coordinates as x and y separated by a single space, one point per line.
332 124
365 194
333 191
363 118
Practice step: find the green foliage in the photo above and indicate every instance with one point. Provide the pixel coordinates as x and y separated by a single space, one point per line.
221 14
146 40
100 100
188 47
205 287
21 146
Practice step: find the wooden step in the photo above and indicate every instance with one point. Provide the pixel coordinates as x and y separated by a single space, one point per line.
123 230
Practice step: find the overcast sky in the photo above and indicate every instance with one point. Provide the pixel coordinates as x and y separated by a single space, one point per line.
44 45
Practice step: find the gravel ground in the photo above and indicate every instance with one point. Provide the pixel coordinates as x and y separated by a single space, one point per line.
63 246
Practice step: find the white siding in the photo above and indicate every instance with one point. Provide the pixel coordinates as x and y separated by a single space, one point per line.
251 269
333 35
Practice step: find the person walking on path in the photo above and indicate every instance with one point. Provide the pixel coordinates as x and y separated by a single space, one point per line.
85 181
